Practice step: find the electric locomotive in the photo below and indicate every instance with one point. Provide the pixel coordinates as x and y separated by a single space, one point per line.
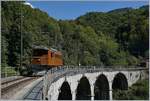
44 59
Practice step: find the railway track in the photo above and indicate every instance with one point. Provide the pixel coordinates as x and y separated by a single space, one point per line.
9 88
9 79
35 93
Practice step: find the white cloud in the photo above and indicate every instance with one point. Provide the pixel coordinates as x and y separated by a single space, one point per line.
27 3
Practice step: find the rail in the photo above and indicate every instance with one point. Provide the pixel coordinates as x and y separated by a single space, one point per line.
11 87
9 79
35 93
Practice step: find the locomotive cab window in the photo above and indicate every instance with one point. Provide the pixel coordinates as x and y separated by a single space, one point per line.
52 55
39 52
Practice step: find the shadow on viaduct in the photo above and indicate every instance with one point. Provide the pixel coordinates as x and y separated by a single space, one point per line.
88 84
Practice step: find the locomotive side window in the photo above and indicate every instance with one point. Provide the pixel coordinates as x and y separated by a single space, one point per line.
39 52
51 54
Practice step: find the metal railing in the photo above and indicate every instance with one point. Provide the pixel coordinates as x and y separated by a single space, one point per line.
93 69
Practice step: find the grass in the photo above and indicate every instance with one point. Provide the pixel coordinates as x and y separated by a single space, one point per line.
138 91
8 71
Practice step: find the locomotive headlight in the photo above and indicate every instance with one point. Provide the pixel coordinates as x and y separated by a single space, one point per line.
39 59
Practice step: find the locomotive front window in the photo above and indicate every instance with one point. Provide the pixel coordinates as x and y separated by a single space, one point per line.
51 54
39 52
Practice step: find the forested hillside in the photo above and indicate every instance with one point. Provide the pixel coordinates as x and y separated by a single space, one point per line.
118 37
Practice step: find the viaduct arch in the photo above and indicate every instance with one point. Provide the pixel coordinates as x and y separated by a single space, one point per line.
65 92
83 91
120 82
101 88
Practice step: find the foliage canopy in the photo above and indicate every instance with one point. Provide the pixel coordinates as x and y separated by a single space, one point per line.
117 37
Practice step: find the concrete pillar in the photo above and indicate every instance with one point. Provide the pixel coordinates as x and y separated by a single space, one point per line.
73 86
110 90
110 94
74 95
92 92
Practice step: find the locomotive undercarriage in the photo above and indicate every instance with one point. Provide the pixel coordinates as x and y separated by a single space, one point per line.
35 70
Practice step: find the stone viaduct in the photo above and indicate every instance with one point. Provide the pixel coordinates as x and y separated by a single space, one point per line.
88 83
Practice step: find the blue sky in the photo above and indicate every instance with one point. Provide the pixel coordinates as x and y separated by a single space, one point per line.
73 9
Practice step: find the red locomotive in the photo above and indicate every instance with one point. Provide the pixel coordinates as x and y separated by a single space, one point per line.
46 57
43 59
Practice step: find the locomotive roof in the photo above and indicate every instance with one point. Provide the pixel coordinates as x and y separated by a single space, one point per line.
45 48
53 50
40 47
